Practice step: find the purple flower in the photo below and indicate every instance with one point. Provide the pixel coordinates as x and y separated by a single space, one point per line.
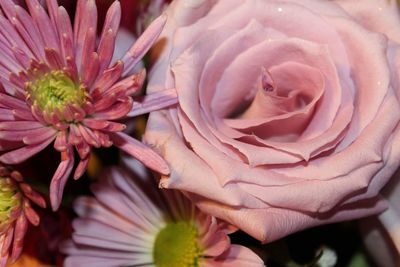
60 85
15 212
127 225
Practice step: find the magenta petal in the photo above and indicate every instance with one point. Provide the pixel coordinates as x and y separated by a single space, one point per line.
19 155
30 214
6 243
82 166
155 101
141 152
20 125
6 115
60 178
21 227
116 111
143 44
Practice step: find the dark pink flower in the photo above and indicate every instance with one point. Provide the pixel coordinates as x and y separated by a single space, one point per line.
15 212
61 86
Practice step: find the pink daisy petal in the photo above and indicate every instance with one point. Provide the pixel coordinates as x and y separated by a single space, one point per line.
123 222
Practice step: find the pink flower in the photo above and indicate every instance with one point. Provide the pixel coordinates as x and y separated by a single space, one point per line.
16 211
288 110
127 226
59 86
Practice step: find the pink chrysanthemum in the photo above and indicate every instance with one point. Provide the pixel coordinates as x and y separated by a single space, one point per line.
15 212
124 226
59 85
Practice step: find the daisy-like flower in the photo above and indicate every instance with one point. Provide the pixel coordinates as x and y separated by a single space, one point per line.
60 85
127 226
15 212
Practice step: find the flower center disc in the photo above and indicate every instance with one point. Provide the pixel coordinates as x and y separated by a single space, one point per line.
176 246
54 90
8 200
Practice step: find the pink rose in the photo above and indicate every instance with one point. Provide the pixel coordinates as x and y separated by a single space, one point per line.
289 111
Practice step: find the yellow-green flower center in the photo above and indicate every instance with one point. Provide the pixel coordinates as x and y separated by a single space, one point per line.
8 200
55 90
176 246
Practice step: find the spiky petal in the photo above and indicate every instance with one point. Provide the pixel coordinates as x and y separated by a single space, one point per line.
15 213
60 86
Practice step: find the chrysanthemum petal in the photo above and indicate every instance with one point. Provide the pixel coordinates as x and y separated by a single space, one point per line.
52 8
90 73
21 227
107 39
66 35
85 18
54 59
88 48
20 125
89 136
141 152
9 33
29 31
109 76
31 214
23 114
116 111
60 178
81 168
12 102
155 101
143 43
83 149
39 136
6 243
44 24
33 195
95 124
60 143
29 136
6 115
20 155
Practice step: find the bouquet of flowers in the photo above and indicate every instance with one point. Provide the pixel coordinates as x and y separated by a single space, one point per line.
200 133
